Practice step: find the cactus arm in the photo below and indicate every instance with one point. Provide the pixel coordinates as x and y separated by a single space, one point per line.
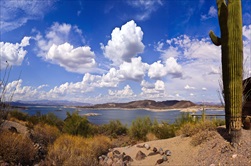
215 39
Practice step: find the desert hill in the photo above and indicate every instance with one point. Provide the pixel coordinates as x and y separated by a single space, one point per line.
147 104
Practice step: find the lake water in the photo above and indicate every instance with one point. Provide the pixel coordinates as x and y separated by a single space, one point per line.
106 115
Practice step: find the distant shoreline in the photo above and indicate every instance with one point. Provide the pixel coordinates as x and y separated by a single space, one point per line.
188 109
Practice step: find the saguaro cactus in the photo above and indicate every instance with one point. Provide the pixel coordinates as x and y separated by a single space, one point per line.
230 21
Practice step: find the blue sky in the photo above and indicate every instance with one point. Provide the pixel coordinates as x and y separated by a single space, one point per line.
98 51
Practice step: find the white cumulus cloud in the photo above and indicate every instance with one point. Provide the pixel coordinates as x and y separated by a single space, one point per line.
125 43
13 53
134 70
80 59
126 92
56 47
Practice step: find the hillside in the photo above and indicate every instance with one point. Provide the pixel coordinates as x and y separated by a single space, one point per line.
147 104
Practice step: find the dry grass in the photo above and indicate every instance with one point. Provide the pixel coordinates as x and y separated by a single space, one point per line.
189 129
45 134
76 150
16 148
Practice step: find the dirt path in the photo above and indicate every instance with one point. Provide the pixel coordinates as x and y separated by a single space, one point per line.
215 151
183 153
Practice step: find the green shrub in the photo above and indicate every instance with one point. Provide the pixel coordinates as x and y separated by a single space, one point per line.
184 118
140 127
16 149
114 128
51 119
19 115
163 130
77 125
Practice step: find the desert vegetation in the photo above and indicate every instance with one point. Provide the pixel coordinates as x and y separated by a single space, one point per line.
76 140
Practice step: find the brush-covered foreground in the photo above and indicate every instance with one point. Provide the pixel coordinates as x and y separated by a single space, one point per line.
50 141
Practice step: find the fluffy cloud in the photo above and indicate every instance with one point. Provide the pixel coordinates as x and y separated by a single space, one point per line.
151 89
134 71
16 13
171 67
247 32
13 53
124 44
80 59
55 48
126 92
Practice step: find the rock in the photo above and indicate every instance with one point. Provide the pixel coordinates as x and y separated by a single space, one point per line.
153 153
109 162
168 152
234 156
159 161
140 146
127 158
110 154
161 152
155 149
147 146
164 157
116 152
13 129
140 155
118 163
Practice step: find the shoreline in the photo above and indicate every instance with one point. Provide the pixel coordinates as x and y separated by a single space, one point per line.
188 109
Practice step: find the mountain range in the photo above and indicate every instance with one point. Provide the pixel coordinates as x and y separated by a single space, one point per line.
48 103
149 104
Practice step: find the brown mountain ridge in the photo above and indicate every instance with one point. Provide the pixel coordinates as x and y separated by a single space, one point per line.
147 104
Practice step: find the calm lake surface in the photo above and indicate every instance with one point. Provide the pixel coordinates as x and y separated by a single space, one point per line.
106 115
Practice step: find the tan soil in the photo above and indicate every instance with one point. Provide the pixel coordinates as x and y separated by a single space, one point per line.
215 151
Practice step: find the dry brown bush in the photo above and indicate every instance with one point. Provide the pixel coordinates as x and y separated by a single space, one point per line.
45 134
76 150
189 129
202 137
16 149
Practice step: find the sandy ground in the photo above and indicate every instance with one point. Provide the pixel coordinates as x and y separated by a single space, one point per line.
216 151
183 153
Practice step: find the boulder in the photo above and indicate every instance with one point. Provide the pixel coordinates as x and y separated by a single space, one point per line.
140 155
147 146
168 152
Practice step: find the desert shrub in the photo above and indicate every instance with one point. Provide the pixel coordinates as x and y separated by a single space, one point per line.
219 122
77 125
51 119
45 134
114 128
202 137
16 149
18 115
140 127
190 129
75 150
184 118
163 130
